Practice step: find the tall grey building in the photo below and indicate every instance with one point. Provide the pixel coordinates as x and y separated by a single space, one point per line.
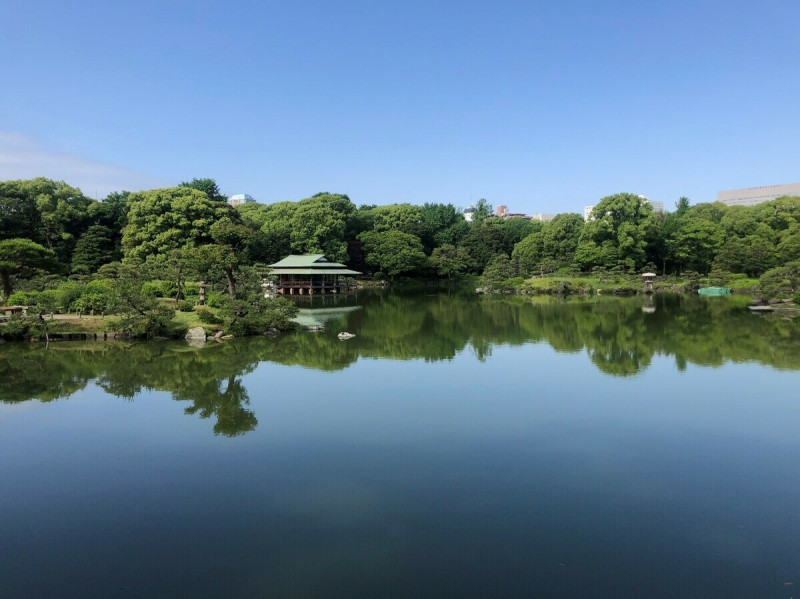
755 195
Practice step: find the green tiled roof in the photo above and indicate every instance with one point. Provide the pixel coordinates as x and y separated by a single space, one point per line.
305 261
309 263
313 271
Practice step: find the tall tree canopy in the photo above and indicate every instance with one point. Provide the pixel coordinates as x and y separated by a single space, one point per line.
615 234
161 220
207 186
393 252
47 212
318 225
17 254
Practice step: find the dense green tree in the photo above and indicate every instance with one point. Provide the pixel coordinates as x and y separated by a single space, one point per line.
112 212
453 234
318 225
140 313
47 212
18 254
393 252
63 214
549 248
360 220
682 206
207 186
788 249
483 210
752 255
19 215
94 248
450 261
444 221
400 217
161 220
528 253
739 221
497 273
483 242
660 239
616 232
253 314
275 226
780 214
782 281
697 241
515 230
560 237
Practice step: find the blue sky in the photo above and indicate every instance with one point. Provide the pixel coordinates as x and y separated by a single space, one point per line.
542 106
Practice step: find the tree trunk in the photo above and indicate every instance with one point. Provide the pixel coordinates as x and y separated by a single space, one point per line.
231 282
179 285
6 277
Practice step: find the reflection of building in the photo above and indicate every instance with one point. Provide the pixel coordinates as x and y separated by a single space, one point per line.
316 318
240 198
756 195
310 273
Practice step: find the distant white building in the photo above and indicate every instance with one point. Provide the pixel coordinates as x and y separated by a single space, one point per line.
543 217
751 196
468 212
240 198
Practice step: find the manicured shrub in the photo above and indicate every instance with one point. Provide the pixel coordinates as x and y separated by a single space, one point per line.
92 300
185 306
69 292
159 288
208 317
23 298
215 300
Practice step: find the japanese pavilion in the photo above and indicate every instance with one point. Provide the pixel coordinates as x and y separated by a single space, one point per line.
310 273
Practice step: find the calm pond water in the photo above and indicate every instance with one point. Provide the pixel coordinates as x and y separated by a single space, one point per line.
458 446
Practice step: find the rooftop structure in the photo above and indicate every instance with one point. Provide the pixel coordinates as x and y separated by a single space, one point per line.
310 273
752 196
543 217
240 198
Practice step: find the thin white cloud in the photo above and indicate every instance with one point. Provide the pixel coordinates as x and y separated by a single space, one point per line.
22 157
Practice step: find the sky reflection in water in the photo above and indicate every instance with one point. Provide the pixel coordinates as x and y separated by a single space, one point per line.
402 467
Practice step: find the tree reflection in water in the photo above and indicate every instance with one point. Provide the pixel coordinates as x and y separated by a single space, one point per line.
620 336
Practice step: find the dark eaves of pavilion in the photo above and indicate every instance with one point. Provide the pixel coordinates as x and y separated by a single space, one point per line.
311 273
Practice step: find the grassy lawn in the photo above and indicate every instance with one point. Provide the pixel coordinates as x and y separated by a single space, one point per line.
610 284
72 323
